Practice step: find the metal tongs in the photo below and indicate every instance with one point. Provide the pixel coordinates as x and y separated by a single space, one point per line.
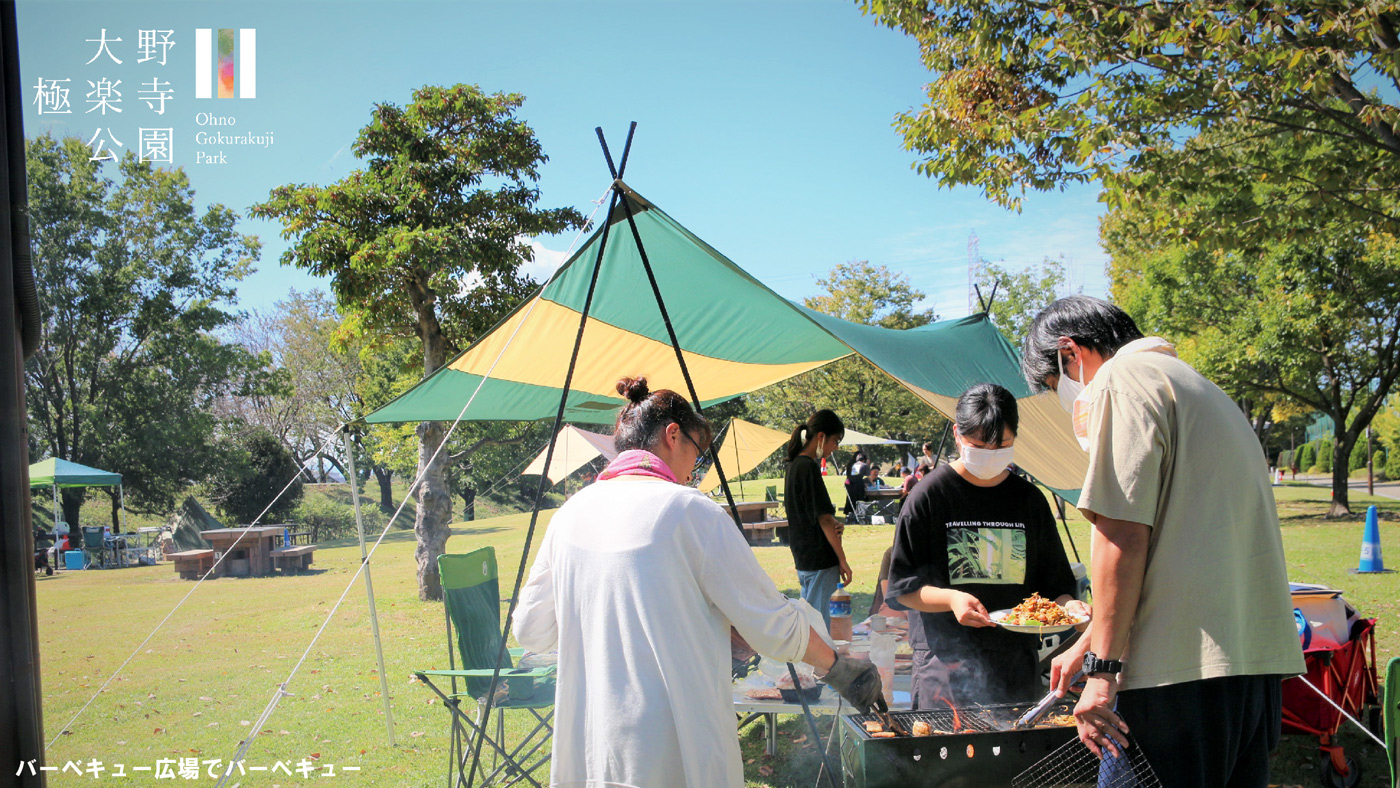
882 710
1033 715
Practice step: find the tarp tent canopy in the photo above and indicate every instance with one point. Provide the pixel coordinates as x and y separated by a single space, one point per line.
742 448
55 472
574 449
186 524
853 438
736 334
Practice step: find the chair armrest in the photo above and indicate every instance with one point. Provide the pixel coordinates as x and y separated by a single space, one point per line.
535 673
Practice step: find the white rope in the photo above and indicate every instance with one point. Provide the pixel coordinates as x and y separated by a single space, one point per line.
281 691
182 601
1343 711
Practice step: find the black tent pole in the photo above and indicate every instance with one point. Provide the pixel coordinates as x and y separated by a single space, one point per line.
676 345
941 440
690 386
549 458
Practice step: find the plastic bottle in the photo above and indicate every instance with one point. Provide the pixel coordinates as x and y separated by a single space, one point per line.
882 655
840 613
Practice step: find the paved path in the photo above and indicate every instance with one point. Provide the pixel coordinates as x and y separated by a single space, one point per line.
1383 489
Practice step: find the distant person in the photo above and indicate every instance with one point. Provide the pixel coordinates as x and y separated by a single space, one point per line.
907 482
928 454
873 480
855 483
1192 631
814 534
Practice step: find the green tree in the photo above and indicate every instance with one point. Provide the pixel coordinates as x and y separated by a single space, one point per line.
426 242
135 284
867 399
248 483
1035 95
1019 295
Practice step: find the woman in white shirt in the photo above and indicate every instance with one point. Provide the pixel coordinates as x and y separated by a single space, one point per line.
637 583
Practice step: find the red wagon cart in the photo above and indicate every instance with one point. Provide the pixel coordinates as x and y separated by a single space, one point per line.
1339 649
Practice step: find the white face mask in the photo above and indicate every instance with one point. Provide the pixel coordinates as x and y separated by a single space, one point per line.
985 463
1067 388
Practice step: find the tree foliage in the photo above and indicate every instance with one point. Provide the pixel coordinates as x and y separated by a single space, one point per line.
260 481
426 242
1020 295
1038 95
135 283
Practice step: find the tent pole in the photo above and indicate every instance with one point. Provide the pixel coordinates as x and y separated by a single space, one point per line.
369 584
944 437
549 453
690 386
121 494
676 345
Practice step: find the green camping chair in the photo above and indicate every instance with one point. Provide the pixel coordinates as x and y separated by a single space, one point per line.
1391 715
94 547
472 599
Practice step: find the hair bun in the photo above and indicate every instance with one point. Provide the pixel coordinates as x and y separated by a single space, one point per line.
634 389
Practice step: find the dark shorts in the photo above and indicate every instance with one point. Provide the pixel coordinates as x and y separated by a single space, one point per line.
1214 733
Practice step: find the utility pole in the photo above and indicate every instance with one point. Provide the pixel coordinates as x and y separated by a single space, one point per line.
1370 471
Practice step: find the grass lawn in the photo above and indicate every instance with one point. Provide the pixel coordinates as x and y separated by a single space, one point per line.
196 687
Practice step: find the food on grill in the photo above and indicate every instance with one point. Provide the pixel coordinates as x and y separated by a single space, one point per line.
1037 611
874 726
883 735
1058 720
922 728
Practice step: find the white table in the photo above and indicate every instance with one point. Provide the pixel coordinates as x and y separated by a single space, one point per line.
830 702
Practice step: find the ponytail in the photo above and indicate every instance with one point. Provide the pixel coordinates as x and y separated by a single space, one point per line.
823 421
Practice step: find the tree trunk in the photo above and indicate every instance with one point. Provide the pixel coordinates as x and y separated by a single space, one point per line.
468 502
1341 457
434 509
116 511
386 490
71 500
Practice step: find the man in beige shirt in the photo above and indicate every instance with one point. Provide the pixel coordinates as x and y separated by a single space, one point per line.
1193 625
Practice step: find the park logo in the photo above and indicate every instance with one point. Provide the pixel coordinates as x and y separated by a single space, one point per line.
234 65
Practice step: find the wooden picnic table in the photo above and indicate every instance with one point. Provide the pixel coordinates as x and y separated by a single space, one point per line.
889 493
753 511
254 547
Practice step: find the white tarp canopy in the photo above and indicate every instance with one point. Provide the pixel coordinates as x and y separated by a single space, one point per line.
854 438
574 449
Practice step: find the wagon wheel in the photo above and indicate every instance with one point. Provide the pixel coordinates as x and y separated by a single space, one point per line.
1331 779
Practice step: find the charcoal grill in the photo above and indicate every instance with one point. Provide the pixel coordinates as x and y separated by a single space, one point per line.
989 754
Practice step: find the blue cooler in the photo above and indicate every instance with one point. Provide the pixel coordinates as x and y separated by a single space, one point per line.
73 559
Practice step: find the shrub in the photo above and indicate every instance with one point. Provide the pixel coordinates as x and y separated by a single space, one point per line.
1324 455
326 519
1357 461
1392 464
1307 457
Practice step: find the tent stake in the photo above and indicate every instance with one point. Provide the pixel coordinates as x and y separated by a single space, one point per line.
369 584
549 454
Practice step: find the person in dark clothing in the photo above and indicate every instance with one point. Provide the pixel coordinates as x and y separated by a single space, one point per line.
855 483
814 534
973 537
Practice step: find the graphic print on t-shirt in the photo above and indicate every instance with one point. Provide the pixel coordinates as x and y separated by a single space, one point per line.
986 552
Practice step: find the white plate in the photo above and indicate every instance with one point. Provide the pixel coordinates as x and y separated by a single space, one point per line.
999 616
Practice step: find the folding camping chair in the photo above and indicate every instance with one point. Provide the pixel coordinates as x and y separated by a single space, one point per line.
94 547
472 599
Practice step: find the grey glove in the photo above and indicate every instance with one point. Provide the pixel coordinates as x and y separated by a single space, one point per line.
857 681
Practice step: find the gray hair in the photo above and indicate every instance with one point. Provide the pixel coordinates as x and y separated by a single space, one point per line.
1093 323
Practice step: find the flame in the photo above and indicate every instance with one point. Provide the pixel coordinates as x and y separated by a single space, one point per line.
957 719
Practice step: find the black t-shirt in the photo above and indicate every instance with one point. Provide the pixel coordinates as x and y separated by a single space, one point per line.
806 500
998 544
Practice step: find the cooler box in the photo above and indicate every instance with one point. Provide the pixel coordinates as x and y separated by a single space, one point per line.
73 559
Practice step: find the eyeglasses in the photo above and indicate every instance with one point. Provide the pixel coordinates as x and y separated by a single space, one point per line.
700 461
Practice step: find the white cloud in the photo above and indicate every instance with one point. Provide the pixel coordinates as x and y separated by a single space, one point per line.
546 262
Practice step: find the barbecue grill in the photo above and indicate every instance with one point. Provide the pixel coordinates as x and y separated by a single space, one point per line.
984 751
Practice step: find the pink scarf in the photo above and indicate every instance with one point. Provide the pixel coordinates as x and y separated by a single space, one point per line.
638 462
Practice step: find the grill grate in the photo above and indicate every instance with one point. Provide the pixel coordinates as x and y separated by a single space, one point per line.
940 720
1074 765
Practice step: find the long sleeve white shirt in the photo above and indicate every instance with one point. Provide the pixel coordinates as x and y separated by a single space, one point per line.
636 583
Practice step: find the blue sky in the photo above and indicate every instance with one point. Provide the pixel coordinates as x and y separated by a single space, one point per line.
764 126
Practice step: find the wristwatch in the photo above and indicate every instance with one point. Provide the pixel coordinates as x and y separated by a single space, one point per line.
1093 665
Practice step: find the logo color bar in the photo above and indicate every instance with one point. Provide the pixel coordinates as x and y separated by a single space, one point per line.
243 57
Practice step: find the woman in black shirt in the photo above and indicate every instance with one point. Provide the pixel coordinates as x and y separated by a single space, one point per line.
973 537
813 531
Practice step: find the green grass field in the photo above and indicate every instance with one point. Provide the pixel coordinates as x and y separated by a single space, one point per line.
196 688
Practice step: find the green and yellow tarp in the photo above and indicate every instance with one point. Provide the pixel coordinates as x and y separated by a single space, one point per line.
737 336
